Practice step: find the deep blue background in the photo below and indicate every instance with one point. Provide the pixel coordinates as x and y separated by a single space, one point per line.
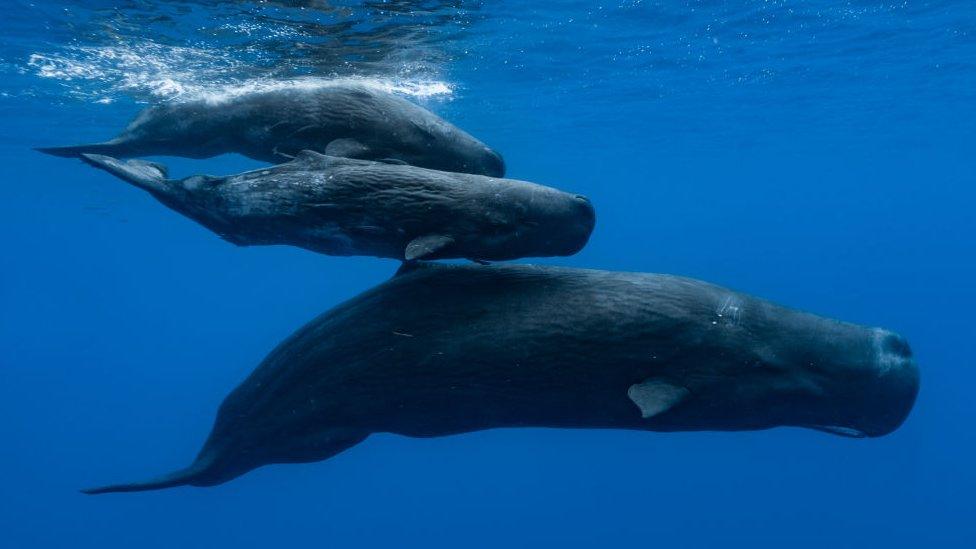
822 161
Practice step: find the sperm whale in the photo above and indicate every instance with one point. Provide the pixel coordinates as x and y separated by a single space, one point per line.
341 206
445 349
346 120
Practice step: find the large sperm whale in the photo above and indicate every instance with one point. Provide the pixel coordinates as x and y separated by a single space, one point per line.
445 349
340 120
341 206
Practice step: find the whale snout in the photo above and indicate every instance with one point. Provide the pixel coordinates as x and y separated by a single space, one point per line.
494 164
546 223
587 213
894 386
872 394
578 225
898 375
894 353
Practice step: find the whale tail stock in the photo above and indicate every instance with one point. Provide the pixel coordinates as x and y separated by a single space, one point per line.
198 473
149 176
176 478
75 151
212 467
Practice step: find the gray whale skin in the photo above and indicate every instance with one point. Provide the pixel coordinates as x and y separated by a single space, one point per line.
341 206
273 126
445 349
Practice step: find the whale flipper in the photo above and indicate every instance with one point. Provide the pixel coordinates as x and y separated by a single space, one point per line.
654 396
424 247
149 176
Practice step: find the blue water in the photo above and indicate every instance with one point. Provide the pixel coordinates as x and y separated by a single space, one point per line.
819 154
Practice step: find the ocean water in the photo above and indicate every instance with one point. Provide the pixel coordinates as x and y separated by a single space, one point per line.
819 154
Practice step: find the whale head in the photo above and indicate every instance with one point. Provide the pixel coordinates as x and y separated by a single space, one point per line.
434 143
872 393
520 219
769 366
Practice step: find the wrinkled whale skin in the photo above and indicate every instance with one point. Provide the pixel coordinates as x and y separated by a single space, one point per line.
445 349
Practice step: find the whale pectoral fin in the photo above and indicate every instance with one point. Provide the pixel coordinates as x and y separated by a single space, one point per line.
654 396
424 247
348 148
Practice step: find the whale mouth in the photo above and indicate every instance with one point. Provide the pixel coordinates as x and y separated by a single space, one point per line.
848 432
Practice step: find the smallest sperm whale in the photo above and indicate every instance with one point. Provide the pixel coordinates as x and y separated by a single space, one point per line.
341 206
352 121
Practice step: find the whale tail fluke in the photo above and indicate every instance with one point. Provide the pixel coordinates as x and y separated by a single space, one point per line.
150 176
75 151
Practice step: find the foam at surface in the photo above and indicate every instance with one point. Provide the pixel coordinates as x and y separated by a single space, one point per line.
173 73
